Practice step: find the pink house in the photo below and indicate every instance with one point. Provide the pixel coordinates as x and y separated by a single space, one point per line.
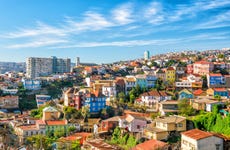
133 123
202 67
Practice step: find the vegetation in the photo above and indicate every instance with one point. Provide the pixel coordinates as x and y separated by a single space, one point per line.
125 141
71 113
213 121
185 108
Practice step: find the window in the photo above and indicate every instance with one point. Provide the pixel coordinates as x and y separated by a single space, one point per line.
217 146
138 126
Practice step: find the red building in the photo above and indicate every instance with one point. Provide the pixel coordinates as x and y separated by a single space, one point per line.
190 69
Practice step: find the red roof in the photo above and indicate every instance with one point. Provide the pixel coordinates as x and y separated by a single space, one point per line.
202 62
56 122
40 122
163 93
220 89
170 68
215 74
198 92
151 93
150 145
197 134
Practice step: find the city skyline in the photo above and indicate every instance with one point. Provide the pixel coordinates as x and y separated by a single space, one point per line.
101 31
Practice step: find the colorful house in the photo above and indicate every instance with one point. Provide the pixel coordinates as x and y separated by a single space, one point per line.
141 81
95 101
151 80
185 94
215 80
202 67
223 92
170 74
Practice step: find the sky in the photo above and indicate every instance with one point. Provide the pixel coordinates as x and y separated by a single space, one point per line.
104 31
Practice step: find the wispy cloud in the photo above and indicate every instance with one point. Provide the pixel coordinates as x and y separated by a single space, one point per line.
123 14
35 44
220 20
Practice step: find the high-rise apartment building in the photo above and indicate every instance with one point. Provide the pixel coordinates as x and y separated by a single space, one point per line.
146 55
36 67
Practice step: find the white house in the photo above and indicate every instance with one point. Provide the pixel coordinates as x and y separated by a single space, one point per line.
200 140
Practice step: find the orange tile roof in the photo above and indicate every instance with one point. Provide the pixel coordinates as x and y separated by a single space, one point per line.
40 122
56 122
198 92
215 74
197 134
151 93
220 89
202 62
170 68
150 145
29 127
163 93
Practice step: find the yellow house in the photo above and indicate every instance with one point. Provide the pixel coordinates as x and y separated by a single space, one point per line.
170 74
163 127
210 92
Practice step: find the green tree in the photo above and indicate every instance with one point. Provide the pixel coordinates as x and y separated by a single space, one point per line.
131 142
76 145
85 112
185 108
116 135
59 133
121 97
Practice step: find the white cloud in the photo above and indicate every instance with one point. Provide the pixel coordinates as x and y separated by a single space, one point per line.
122 15
220 20
154 13
38 43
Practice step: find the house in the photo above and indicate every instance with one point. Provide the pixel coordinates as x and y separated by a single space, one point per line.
69 97
150 145
190 69
9 102
98 144
215 80
223 92
185 93
150 98
164 96
161 74
166 107
42 99
110 124
202 67
151 80
141 81
163 126
66 142
133 123
200 140
170 75
180 70
31 84
120 85
95 101
130 82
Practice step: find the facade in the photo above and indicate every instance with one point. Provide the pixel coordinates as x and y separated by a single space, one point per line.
185 94
95 102
8 102
109 125
151 80
164 126
150 98
130 82
31 84
36 67
223 92
215 80
190 69
202 67
141 81
200 140
170 75
42 99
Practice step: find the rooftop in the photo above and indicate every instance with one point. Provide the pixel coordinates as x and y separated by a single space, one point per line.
150 145
56 122
197 134
170 119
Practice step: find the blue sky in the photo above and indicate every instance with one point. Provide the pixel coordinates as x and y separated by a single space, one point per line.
104 31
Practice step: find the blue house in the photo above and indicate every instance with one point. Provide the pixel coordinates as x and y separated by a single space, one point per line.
141 81
31 84
215 79
95 102
151 80
185 94
223 92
